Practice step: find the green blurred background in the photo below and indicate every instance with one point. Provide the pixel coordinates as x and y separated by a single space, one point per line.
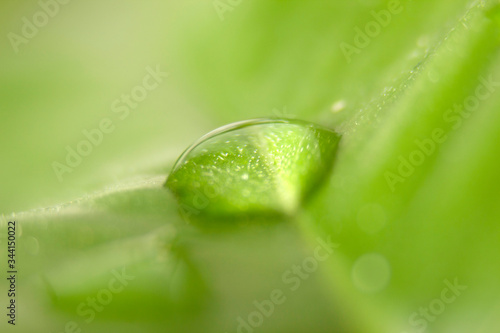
399 240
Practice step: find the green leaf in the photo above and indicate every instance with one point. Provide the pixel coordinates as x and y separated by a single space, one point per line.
412 198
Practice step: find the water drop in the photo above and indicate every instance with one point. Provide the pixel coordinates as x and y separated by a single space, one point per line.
371 273
338 106
262 166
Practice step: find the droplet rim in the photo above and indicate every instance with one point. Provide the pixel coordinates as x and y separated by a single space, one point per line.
239 125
